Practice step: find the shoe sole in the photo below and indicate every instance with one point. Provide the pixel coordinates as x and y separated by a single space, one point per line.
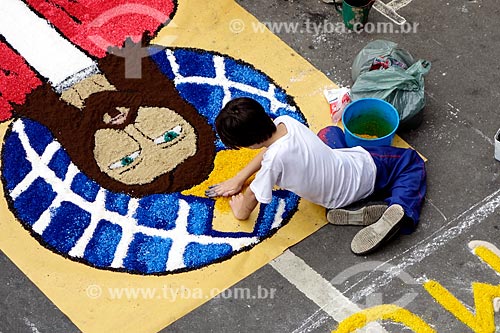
363 216
370 238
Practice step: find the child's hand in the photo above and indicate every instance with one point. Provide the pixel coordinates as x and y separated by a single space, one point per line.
229 187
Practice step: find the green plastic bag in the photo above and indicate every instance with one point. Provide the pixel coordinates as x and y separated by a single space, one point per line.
399 81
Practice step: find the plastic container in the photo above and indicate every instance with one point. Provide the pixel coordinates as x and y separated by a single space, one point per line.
354 12
370 117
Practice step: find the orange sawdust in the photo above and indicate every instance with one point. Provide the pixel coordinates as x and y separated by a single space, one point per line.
226 165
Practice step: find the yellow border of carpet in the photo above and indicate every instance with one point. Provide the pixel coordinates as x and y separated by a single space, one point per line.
81 291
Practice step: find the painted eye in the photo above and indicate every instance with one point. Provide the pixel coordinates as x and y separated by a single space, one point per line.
125 161
169 135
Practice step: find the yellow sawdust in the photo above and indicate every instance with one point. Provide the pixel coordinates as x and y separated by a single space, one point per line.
367 136
488 257
389 312
226 165
480 320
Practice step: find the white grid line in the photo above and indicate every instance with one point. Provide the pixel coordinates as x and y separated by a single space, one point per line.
222 81
129 225
98 211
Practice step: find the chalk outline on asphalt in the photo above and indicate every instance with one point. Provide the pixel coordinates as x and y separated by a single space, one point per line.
474 215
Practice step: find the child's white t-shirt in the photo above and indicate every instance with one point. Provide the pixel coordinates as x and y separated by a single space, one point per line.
300 162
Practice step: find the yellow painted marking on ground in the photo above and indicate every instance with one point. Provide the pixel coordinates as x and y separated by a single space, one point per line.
484 319
384 312
488 257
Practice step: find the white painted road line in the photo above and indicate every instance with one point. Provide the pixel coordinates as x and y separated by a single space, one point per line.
415 254
318 289
50 54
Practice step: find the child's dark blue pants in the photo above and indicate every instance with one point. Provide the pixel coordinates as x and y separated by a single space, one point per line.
401 177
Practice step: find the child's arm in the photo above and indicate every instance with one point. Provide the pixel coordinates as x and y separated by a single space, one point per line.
233 185
242 204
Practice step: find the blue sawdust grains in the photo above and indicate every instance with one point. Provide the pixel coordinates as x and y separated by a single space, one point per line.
197 254
101 248
66 227
117 202
158 211
37 198
85 187
17 167
147 254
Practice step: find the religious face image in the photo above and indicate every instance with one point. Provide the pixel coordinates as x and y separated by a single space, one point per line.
155 143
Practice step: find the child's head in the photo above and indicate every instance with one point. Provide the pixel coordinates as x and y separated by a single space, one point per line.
243 122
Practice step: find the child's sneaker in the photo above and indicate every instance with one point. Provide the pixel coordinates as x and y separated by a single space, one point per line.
370 238
356 215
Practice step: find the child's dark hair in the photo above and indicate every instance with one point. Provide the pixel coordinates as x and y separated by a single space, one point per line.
243 122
